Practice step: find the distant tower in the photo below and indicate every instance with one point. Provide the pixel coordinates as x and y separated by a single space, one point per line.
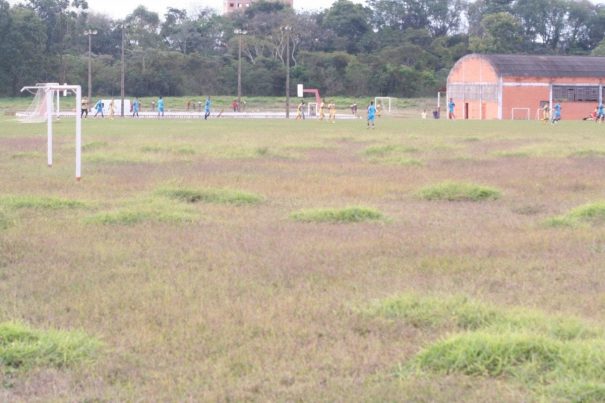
234 5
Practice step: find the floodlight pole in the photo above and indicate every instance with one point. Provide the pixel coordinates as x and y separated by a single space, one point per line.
89 32
239 33
287 29
122 77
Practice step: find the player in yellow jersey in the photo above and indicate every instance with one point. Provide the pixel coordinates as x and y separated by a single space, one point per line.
332 109
322 113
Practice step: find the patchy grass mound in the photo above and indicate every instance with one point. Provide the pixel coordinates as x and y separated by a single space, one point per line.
392 155
457 191
345 215
39 202
592 213
22 347
219 196
143 211
5 220
555 356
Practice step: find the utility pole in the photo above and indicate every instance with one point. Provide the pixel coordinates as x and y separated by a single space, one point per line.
287 30
239 33
90 33
122 77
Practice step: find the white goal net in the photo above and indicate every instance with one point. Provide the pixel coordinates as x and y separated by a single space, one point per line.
37 112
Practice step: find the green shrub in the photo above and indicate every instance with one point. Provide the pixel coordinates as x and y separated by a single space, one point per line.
455 191
39 202
22 347
218 196
345 215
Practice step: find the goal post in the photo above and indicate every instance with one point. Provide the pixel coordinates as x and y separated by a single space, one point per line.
520 114
385 102
42 108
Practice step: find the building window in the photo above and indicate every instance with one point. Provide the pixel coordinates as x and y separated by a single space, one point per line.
575 93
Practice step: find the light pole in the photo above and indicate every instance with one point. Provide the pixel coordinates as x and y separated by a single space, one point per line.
287 29
239 33
90 33
122 77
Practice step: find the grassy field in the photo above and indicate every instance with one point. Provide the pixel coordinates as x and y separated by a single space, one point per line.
235 260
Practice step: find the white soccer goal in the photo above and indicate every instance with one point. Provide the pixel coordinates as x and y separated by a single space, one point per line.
312 109
385 102
520 114
42 108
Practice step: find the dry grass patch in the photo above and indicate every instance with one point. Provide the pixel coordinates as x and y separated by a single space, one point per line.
180 150
459 191
392 155
210 195
23 348
344 215
591 214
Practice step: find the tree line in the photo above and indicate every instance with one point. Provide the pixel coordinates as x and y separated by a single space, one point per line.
399 48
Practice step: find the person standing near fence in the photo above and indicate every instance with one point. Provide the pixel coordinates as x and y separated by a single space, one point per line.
135 107
371 115
84 107
207 108
450 108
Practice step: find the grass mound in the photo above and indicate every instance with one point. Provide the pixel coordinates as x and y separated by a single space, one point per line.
145 211
457 191
39 202
391 155
383 151
555 356
5 220
22 347
592 213
345 215
218 196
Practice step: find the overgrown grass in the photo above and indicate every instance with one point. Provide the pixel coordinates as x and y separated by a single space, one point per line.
147 210
382 151
94 145
592 214
555 356
344 215
180 150
39 202
458 191
6 220
23 348
210 195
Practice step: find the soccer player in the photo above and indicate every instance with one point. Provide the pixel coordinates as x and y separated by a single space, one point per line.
207 108
111 109
300 111
160 107
556 116
135 107
546 113
84 107
332 109
379 110
600 113
322 107
450 107
99 108
371 114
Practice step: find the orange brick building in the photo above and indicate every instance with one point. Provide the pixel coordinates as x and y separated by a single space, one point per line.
234 5
517 86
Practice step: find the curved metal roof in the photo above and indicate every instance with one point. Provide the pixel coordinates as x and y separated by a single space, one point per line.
547 66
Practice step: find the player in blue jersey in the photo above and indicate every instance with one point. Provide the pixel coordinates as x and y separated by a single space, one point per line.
160 107
600 113
371 115
207 108
556 115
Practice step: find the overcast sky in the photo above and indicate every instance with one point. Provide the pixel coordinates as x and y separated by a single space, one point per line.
120 8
